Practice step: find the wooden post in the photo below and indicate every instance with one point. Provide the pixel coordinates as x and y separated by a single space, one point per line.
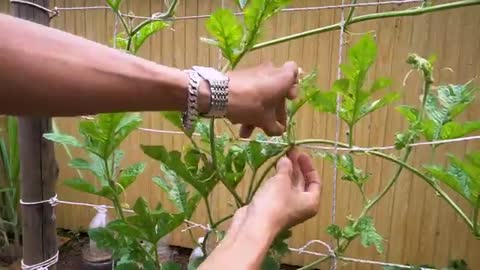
38 167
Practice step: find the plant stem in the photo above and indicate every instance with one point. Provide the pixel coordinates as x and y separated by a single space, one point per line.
215 165
264 175
412 169
350 14
368 17
163 16
111 183
319 261
155 254
209 211
429 181
476 232
251 184
350 136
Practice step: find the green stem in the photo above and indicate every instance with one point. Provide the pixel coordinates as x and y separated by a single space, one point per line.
350 136
111 183
314 263
155 254
252 183
350 14
475 218
215 165
163 16
209 211
264 175
213 226
412 169
368 17
429 181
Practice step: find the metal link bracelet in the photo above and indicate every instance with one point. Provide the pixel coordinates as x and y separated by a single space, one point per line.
190 115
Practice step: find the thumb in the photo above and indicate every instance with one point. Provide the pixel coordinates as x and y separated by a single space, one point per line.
285 167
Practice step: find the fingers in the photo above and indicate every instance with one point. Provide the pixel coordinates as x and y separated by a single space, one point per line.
281 113
284 167
272 126
298 180
246 131
291 70
313 183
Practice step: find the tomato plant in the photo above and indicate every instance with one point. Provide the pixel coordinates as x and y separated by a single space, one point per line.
189 176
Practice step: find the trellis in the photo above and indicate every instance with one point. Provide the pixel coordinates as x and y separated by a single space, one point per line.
329 252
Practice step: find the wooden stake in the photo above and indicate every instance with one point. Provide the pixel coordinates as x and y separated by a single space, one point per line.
38 168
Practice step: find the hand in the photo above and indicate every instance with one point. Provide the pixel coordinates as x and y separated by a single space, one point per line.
257 97
290 197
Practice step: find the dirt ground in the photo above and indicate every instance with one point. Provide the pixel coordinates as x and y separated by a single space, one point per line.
71 254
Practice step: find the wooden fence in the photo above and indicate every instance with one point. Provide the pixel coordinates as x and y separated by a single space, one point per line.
418 226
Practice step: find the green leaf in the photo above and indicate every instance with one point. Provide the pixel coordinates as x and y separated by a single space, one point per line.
107 131
81 185
441 109
307 90
334 231
127 230
255 15
324 101
171 266
175 118
114 4
129 174
103 237
461 176
380 84
378 104
224 26
346 165
62 139
279 247
269 263
145 32
452 130
175 188
410 113
368 234
203 181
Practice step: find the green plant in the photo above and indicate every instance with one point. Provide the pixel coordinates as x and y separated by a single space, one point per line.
10 185
189 176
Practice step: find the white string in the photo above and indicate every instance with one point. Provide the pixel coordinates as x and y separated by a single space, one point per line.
56 10
42 265
320 147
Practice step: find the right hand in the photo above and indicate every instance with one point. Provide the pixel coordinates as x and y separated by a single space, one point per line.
258 96
290 197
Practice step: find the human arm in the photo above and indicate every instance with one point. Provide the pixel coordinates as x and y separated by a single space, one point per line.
287 199
48 72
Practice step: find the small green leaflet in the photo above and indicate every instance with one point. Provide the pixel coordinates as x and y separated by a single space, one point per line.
368 234
227 30
63 139
114 4
357 99
145 32
461 176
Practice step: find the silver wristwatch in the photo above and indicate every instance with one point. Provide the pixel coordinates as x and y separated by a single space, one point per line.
218 84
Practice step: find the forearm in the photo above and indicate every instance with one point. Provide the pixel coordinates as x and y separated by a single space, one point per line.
242 249
44 71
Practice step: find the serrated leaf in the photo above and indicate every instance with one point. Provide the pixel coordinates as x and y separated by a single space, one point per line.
103 238
442 108
203 181
324 101
107 131
224 26
380 84
145 32
175 188
334 231
307 90
368 234
410 113
461 176
130 174
452 130
80 185
175 118
378 104
62 139
255 15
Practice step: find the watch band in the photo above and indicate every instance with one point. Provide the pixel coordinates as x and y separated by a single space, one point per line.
219 88
191 113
